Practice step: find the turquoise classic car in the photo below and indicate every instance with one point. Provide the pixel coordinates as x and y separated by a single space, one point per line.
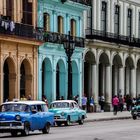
25 116
135 112
66 112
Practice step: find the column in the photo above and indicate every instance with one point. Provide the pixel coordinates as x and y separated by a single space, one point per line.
99 4
121 80
133 82
94 14
1 76
94 83
115 80
34 12
127 80
108 85
40 77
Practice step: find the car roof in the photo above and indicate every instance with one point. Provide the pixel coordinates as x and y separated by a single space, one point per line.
61 101
25 102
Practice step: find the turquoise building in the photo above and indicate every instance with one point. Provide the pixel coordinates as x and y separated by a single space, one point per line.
55 19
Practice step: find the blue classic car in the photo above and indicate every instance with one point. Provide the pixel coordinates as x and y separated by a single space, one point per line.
25 116
66 112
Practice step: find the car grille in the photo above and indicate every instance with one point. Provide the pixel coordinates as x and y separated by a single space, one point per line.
10 124
56 117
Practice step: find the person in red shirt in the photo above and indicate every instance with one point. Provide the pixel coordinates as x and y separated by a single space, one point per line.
115 103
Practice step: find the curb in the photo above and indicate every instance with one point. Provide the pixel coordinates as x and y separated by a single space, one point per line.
107 119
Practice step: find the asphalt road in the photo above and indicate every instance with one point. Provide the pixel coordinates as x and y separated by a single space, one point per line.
103 130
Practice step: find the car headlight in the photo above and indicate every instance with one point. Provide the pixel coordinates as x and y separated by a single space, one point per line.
17 117
62 114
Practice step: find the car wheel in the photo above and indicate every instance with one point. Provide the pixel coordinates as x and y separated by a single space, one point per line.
81 121
46 129
14 133
25 132
134 117
58 123
67 123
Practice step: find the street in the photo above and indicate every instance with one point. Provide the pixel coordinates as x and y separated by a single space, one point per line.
103 130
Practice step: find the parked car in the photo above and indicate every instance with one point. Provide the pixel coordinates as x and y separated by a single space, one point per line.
135 112
25 116
66 112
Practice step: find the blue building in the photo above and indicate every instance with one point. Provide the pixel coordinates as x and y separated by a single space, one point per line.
55 19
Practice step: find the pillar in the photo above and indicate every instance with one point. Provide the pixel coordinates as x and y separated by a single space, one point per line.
108 93
133 82
121 80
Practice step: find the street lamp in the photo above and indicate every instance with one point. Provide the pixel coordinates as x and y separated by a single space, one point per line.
69 46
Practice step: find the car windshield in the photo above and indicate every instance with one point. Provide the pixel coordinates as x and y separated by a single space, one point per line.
14 108
59 105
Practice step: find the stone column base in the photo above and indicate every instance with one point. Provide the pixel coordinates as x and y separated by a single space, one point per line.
108 107
97 108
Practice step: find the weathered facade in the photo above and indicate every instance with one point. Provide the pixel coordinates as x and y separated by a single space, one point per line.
18 49
112 55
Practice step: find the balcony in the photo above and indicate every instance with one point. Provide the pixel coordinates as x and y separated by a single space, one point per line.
111 37
85 2
19 29
58 38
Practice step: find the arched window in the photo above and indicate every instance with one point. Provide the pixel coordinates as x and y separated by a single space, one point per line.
73 27
46 21
104 16
139 27
117 19
129 23
60 24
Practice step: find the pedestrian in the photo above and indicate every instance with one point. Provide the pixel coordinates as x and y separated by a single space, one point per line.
115 103
76 98
29 97
84 102
91 104
44 99
102 102
121 103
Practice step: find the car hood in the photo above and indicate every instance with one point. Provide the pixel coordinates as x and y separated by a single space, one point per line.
8 116
58 110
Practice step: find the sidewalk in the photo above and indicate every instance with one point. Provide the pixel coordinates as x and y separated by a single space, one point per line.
104 116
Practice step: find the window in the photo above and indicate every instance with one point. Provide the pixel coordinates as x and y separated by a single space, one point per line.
73 27
129 23
60 24
103 16
9 9
139 27
46 21
116 20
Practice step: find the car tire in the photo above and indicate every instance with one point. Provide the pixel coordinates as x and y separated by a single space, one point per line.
46 128
67 123
14 133
134 117
26 130
81 121
58 123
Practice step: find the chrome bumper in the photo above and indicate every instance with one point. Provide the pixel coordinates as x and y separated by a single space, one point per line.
4 125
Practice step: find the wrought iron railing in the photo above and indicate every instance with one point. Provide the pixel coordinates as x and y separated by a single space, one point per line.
59 38
85 2
19 29
112 37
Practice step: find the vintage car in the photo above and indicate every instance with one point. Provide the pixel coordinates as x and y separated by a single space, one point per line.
135 112
66 112
25 116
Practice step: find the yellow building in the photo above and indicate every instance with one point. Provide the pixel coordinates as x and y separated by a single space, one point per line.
18 49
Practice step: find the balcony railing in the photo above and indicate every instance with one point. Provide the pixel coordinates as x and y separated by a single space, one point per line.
59 38
111 37
18 29
85 2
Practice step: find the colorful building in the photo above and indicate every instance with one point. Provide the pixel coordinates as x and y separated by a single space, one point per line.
57 18
18 49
